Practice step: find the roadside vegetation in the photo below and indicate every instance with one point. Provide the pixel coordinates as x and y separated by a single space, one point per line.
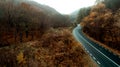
102 23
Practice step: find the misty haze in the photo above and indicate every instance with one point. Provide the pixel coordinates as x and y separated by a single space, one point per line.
60 33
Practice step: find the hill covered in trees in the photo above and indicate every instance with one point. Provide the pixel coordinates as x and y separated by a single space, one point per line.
23 18
35 35
56 48
102 22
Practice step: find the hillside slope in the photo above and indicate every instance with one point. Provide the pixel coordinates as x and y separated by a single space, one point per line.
56 48
20 20
103 25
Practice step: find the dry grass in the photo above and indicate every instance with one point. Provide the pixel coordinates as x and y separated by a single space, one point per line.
56 48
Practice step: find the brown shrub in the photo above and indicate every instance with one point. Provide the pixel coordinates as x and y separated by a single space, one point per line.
56 48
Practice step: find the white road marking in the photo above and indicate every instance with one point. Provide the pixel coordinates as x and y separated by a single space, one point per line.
95 48
98 62
90 54
94 58
87 51
99 51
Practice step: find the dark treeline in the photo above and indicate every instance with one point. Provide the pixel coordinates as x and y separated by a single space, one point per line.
83 12
111 4
23 19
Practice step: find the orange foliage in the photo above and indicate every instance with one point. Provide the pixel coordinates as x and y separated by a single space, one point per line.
55 48
104 25
93 14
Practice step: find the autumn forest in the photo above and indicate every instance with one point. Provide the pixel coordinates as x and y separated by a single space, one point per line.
101 22
36 35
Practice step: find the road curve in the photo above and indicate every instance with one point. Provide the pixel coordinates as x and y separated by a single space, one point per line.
102 56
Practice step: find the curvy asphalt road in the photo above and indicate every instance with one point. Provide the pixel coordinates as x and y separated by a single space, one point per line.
102 56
